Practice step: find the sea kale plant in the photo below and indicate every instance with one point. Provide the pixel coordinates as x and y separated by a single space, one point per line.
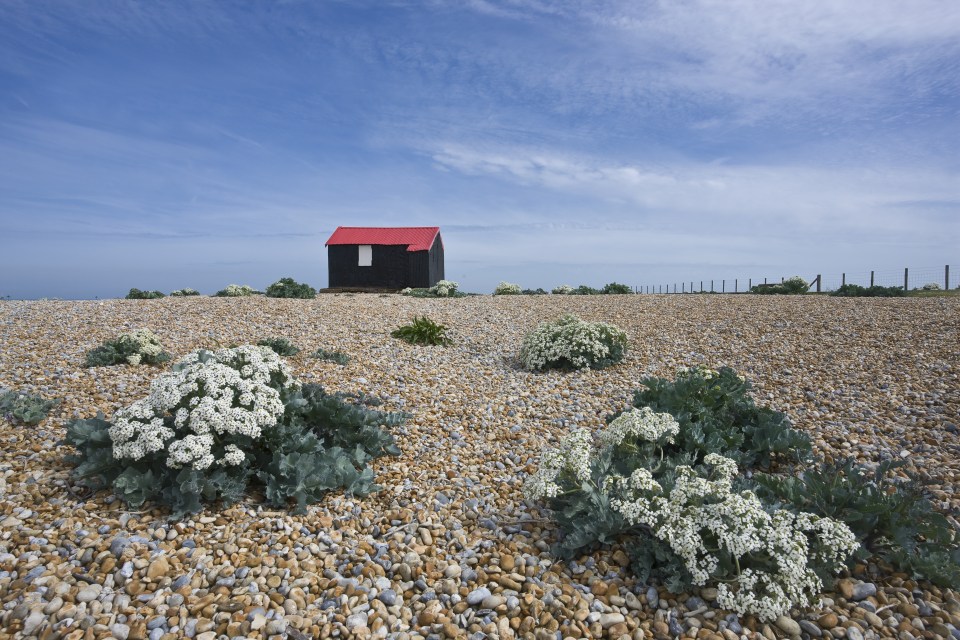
181 293
684 515
571 343
337 357
790 286
137 347
444 289
280 346
892 517
422 330
236 291
562 290
290 288
223 422
24 407
137 294
507 289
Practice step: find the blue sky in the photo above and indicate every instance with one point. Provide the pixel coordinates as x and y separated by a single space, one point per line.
169 144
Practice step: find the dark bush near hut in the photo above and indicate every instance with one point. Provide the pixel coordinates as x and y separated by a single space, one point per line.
137 294
616 287
876 291
289 288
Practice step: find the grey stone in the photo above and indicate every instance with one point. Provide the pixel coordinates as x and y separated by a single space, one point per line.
864 590
810 628
788 625
477 596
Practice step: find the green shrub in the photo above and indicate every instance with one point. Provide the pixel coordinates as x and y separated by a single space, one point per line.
289 288
236 291
443 289
280 346
790 286
223 421
893 518
571 343
137 294
930 286
180 293
137 347
507 289
876 291
562 290
615 287
534 292
422 331
23 407
584 290
331 356
680 518
717 415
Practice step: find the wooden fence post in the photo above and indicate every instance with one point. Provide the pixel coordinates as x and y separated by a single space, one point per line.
711 286
906 278
946 277
818 281
736 285
843 280
871 278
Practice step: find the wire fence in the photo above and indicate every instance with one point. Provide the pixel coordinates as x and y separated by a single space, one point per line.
906 278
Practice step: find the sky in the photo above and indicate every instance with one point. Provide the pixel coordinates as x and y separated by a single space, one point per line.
200 143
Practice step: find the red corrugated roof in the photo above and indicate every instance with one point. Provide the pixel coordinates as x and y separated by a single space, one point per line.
416 238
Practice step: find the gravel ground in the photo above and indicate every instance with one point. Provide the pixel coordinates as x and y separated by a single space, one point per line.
449 548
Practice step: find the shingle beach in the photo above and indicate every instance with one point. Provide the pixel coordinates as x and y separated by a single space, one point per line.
449 548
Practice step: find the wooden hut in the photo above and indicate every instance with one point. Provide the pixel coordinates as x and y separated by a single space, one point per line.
385 257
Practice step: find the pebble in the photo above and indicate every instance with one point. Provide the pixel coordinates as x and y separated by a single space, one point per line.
788 625
450 546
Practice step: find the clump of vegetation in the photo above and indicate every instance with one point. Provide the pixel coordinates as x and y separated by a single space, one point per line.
876 291
225 421
562 290
280 346
616 287
790 286
423 330
534 292
236 291
337 357
180 293
930 286
680 517
585 290
24 407
290 288
137 294
137 347
507 289
571 343
892 518
443 289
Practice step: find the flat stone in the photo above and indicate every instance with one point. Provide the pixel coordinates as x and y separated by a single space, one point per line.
788 625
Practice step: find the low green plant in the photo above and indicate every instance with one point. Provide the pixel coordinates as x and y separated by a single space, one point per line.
180 293
717 415
534 292
571 343
141 346
24 407
791 286
562 290
236 291
137 294
930 286
876 291
443 289
585 290
507 289
681 519
290 288
616 287
423 330
226 421
892 517
280 346
331 356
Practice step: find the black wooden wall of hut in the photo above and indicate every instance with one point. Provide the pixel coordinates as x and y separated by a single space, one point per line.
389 268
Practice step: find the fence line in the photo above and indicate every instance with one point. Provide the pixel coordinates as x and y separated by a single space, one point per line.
906 279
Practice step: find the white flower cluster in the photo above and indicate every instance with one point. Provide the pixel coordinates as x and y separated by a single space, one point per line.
701 519
570 459
697 371
507 288
444 288
186 291
641 424
196 408
406 291
237 291
563 290
571 340
143 343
